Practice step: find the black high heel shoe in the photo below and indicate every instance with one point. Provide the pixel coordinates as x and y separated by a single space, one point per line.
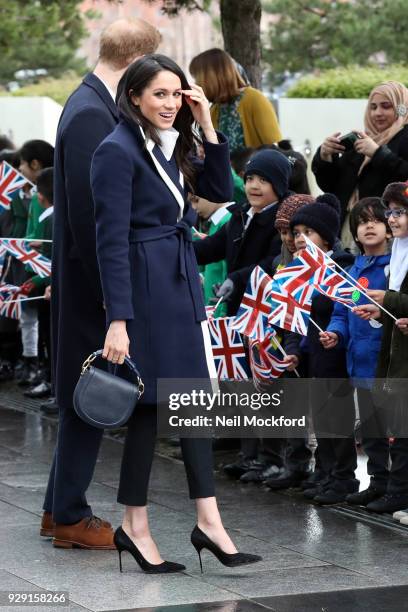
199 540
123 542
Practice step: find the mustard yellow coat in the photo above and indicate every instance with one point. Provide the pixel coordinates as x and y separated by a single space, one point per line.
259 122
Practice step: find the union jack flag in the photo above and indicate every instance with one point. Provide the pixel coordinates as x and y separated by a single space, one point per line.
288 312
337 288
263 360
22 251
210 311
228 350
7 293
252 317
10 181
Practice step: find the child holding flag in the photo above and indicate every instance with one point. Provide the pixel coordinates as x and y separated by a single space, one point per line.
320 222
35 155
393 356
362 339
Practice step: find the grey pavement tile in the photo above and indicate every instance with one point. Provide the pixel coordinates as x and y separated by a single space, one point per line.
30 499
288 581
11 516
381 599
105 588
8 455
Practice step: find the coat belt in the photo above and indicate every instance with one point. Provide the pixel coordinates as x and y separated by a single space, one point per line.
186 257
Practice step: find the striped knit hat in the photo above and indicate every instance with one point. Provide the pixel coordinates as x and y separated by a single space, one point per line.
288 207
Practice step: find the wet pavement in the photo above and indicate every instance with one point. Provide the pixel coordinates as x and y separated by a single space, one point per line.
314 559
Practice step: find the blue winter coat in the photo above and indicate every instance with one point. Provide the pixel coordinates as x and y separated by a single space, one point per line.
146 260
362 339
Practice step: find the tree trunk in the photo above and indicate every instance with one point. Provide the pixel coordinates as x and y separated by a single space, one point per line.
240 22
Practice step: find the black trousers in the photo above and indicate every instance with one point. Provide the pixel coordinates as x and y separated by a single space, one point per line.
138 457
375 445
333 419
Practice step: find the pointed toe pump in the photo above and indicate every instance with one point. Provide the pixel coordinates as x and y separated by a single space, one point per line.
199 540
123 542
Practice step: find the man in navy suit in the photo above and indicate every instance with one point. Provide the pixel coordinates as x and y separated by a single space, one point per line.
78 316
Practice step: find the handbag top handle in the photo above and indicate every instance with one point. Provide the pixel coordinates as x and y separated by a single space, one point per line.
132 367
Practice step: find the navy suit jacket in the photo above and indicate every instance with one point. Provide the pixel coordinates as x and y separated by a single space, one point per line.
78 318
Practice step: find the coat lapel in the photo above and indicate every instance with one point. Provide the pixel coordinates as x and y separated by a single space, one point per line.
164 175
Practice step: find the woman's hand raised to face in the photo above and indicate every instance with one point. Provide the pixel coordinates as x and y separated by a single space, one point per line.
331 146
200 108
365 145
116 343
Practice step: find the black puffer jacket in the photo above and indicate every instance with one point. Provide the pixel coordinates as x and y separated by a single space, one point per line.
389 164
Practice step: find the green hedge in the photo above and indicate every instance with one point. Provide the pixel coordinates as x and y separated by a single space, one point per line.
348 82
57 89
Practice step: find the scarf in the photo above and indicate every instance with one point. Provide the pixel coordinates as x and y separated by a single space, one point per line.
397 94
399 263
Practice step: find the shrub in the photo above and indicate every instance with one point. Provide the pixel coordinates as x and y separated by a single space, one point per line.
347 82
57 89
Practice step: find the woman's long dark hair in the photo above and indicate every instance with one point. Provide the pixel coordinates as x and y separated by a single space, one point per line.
133 82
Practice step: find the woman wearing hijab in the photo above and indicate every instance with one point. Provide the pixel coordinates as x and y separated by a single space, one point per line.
239 111
379 155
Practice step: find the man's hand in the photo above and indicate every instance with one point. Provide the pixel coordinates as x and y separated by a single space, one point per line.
47 293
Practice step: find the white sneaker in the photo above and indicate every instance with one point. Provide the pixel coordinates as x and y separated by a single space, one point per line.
400 514
404 520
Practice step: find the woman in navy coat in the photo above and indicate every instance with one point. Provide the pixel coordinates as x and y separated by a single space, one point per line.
155 312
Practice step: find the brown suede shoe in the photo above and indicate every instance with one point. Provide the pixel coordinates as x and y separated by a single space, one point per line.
47 525
91 533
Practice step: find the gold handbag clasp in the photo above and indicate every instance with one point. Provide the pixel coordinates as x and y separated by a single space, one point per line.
87 363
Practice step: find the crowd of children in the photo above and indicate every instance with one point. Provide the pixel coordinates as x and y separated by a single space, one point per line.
266 225
352 345
26 343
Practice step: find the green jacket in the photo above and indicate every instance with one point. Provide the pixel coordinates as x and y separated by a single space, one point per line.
34 212
216 272
393 356
43 231
19 210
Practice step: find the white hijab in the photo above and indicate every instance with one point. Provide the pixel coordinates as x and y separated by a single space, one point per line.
399 262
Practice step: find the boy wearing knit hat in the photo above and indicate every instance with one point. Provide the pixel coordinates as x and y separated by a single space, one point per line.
247 240
320 222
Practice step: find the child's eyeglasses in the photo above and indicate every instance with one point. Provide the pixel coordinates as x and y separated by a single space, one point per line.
396 213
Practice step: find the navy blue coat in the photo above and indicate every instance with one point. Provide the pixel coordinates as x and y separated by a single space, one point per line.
147 264
78 318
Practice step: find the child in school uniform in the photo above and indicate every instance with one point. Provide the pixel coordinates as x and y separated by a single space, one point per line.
362 339
392 362
320 222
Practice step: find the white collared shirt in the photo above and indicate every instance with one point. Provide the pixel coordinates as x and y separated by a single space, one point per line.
168 139
112 93
251 213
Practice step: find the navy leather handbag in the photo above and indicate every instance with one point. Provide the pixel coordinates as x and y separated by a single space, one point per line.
104 400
